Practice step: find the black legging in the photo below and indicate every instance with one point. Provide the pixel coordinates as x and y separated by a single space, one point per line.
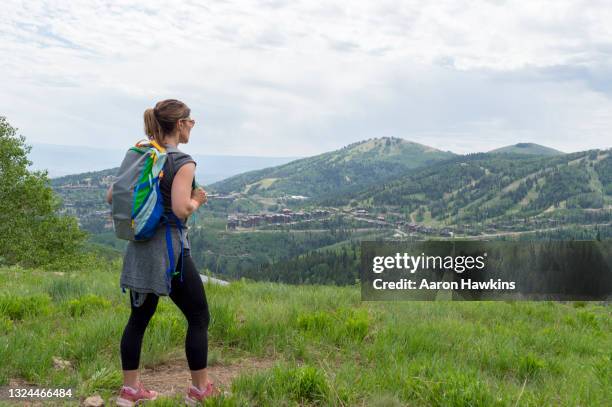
190 297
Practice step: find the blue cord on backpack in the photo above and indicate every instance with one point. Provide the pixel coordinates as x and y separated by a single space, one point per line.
170 256
180 229
169 271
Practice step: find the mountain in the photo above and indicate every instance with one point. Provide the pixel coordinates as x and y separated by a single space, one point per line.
62 160
356 165
484 186
528 148
407 180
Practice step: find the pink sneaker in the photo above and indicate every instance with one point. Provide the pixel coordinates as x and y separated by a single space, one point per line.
195 396
129 396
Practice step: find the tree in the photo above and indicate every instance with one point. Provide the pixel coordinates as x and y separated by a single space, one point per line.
32 233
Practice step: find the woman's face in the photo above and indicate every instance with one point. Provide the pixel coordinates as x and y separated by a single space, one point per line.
185 126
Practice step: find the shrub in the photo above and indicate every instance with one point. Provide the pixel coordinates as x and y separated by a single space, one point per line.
306 384
64 288
344 324
588 319
318 322
357 325
530 365
87 303
223 323
17 308
579 304
451 389
103 379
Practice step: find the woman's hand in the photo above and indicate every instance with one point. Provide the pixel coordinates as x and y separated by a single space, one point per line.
199 195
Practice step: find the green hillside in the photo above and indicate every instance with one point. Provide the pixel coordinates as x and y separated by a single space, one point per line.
527 148
357 165
489 186
83 195
279 345
94 178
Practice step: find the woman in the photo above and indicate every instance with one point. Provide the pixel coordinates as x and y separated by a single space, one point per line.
145 263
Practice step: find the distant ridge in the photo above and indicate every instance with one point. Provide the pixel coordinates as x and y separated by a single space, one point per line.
483 186
528 148
394 175
357 165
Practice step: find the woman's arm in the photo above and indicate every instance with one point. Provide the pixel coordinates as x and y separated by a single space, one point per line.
184 201
109 194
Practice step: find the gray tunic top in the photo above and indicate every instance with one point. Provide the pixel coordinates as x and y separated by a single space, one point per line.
145 263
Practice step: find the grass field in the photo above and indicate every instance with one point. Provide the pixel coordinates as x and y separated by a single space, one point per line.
327 347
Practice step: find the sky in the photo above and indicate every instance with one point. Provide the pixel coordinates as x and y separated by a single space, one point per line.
298 78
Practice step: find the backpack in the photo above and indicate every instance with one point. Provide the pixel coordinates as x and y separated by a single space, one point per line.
137 204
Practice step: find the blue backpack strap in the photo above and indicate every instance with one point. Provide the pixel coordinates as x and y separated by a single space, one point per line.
180 230
170 255
170 271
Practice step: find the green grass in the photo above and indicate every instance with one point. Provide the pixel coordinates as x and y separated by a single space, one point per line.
330 348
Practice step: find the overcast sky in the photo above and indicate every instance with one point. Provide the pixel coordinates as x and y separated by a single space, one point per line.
297 78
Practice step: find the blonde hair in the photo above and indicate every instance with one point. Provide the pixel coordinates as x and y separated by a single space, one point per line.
161 120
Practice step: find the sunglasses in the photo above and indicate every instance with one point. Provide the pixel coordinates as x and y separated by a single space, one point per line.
189 119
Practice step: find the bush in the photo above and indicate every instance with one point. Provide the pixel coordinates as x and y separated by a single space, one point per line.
357 326
530 365
103 379
65 288
346 324
308 384
318 322
17 308
223 323
451 389
87 303
305 384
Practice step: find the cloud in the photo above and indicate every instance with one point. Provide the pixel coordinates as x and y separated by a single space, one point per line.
302 77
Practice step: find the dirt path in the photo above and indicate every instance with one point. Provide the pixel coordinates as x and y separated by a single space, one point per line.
173 376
